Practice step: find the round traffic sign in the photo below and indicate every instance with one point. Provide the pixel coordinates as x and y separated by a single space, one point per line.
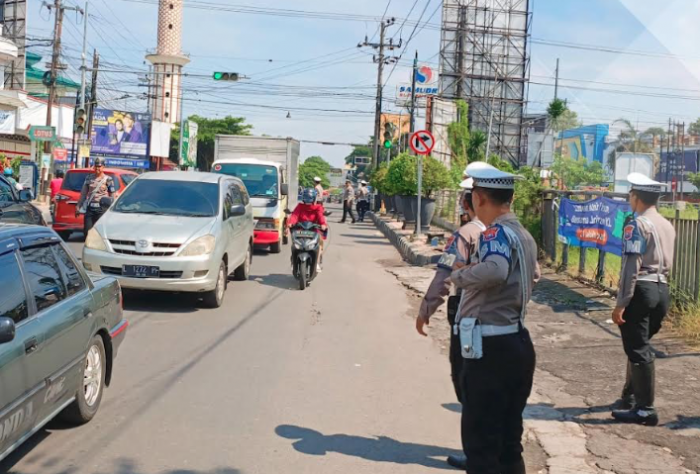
422 142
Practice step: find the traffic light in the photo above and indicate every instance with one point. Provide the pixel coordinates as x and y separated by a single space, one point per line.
80 121
225 76
388 135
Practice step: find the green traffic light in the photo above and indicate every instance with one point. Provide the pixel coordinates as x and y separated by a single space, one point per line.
387 144
218 76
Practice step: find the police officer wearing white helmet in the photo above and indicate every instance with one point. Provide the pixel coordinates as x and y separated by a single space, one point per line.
643 297
499 358
461 247
319 190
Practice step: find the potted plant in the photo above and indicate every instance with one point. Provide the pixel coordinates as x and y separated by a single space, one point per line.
400 181
378 182
435 177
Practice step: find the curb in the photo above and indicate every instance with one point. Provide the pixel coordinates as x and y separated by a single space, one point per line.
403 245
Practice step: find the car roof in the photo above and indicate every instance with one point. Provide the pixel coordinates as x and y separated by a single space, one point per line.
10 231
107 170
188 176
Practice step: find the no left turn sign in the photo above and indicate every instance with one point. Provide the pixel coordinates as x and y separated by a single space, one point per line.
422 142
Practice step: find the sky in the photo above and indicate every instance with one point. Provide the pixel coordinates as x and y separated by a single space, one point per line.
633 59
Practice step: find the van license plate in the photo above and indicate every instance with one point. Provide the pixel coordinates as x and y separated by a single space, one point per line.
140 271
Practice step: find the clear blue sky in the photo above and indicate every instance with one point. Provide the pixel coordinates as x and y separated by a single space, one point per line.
340 78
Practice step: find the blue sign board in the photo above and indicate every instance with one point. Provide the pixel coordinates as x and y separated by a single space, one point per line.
132 163
598 223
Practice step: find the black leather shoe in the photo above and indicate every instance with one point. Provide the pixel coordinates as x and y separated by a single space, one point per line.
639 416
458 462
625 403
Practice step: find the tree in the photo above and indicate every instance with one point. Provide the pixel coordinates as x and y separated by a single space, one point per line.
566 121
656 132
579 172
312 167
207 131
694 128
361 151
467 145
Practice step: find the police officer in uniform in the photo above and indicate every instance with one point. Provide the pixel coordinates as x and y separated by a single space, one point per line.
96 186
643 296
499 358
461 247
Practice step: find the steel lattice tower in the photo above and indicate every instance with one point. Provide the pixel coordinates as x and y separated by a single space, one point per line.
485 60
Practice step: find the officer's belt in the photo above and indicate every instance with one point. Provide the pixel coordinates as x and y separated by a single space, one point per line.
656 278
488 330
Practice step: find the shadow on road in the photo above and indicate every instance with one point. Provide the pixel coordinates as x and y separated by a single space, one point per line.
379 449
122 466
284 281
453 407
159 302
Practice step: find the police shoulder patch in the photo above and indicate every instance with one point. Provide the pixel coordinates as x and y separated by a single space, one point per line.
491 233
633 240
495 242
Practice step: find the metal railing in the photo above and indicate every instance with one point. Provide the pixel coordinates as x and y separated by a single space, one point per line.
447 205
604 269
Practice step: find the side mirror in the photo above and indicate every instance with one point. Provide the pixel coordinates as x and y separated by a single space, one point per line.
7 330
284 189
26 195
237 210
287 211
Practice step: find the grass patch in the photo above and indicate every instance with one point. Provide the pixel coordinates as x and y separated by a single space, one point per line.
690 212
684 315
613 265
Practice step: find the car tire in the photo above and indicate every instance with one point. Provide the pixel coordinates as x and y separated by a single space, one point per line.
89 394
64 234
242 273
276 247
215 297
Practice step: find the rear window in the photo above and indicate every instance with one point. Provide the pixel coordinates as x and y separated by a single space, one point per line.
74 180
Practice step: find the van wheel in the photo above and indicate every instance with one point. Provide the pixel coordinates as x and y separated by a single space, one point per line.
242 273
92 383
275 248
215 297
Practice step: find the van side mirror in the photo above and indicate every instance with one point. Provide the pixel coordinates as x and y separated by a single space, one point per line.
26 195
7 330
284 189
237 210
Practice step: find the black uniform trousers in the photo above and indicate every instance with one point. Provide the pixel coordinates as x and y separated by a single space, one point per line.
456 359
91 218
643 318
347 209
495 392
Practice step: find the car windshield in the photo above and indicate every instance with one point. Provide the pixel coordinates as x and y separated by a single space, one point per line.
260 180
170 198
127 178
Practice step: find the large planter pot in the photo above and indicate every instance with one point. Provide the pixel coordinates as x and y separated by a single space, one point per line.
427 211
409 209
398 206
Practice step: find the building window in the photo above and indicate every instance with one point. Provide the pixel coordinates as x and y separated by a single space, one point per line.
166 115
167 94
167 75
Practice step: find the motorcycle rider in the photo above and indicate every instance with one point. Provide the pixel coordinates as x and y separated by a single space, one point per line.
308 210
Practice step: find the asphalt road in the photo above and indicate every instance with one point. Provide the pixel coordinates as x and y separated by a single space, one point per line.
329 380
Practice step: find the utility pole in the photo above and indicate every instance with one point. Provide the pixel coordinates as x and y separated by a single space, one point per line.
93 97
83 56
182 124
556 81
682 126
381 61
413 96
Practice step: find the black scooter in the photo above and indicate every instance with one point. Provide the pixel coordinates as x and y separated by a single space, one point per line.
306 246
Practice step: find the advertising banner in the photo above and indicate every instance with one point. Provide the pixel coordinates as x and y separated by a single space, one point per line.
7 122
598 223
130 163
192 145
115 132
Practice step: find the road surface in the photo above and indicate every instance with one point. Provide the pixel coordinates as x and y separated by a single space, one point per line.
329 380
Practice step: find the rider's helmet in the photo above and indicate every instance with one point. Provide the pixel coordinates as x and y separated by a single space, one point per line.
7 171
309 196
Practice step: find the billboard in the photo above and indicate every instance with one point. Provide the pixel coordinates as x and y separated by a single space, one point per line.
119 133
426 85
584 142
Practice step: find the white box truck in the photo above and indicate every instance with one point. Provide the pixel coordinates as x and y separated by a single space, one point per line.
269 167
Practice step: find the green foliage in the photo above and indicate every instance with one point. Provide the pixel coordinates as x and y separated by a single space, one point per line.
556 109
467 146
694 128
694 178
207 131
566 121
655 132
402 176
578 172
311 167
378 178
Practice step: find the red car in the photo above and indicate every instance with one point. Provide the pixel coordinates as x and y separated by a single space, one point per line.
64 220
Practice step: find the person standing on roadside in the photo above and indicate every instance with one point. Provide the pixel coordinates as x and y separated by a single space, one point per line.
362 201
96 186
460 248
643 297
6 163
499 358
56 183
348 198
319 190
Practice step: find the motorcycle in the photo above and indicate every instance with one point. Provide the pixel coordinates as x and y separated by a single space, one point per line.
306 250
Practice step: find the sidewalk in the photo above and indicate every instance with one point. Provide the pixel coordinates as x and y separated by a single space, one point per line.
580 373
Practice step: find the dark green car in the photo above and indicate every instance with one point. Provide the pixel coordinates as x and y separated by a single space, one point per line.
59 334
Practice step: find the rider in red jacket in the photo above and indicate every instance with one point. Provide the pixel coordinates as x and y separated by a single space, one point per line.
309 211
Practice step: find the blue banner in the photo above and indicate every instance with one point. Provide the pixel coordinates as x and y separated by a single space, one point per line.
124 163
598 223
